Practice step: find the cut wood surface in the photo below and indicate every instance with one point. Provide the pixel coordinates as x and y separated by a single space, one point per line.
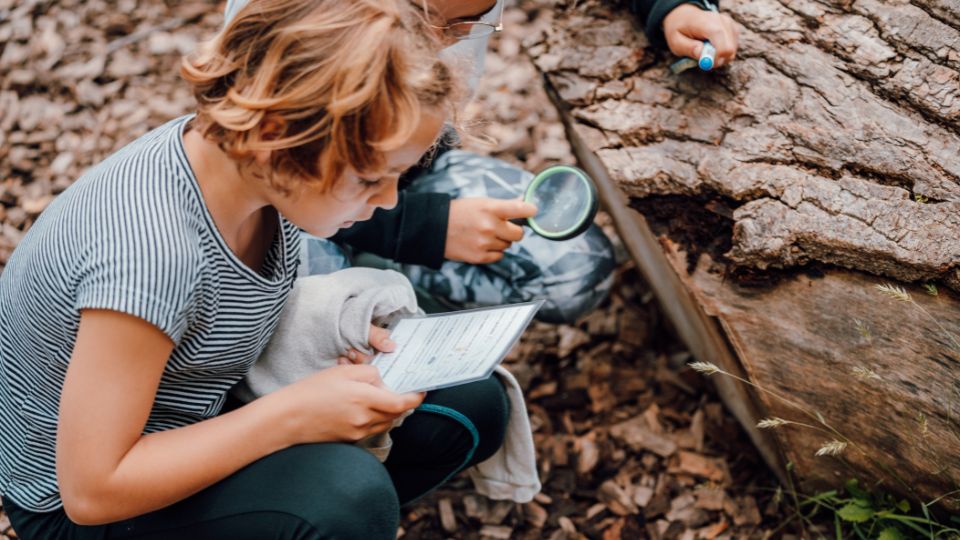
824 161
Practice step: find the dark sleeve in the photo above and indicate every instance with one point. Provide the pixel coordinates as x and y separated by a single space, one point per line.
652 12
413 232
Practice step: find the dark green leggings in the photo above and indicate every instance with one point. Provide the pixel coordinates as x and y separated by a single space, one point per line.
316 491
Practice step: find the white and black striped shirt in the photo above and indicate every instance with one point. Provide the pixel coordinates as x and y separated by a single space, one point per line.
131 235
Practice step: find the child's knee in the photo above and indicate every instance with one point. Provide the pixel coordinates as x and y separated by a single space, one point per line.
491 418
480 411
340 491
587 279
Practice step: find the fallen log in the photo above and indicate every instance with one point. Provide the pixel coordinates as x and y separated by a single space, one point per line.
771 198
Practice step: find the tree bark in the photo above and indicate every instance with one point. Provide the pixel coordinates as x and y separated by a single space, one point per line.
824 161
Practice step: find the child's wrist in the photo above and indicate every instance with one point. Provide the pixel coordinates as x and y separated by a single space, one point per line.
279 423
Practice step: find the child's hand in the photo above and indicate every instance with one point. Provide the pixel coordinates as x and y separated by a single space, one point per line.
687 26
479 229
342 403
379 341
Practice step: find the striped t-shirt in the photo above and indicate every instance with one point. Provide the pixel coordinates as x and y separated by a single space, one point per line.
131 235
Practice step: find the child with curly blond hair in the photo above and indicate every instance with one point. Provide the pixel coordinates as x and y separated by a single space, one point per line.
150 287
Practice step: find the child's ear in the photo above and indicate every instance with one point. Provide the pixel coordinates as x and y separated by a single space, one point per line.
271 128
262 157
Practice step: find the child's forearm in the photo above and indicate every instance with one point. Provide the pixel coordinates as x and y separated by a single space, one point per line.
108 471
163 468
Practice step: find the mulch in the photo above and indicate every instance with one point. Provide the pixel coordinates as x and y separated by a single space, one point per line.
631 443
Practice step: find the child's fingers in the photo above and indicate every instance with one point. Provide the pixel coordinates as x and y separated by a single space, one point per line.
380 427
512 209
734 34
498 245
720 32
363 373
389 402
490 257
727 54
380 339
509 232
684 46
354 356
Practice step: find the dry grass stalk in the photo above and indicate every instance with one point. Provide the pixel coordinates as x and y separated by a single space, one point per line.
775 422
895 292
864 373
832 448
898 293
707 368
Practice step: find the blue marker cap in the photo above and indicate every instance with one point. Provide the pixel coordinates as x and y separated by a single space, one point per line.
706 56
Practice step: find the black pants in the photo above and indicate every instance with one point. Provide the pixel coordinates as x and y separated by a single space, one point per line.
316 491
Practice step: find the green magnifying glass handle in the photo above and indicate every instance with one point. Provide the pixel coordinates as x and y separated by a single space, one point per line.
521 221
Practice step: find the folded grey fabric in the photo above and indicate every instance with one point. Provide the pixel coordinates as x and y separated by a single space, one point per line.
510 473
329 314
326 316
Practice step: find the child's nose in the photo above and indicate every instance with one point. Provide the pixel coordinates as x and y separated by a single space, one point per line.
386 198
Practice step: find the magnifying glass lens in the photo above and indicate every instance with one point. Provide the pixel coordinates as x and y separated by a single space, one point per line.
561 199
566 201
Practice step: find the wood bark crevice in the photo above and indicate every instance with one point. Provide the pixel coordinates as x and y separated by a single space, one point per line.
785 102
831 143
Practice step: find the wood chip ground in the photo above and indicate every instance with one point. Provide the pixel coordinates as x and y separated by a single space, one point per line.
631 444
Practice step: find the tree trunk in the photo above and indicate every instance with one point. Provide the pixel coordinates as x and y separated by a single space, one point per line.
823 162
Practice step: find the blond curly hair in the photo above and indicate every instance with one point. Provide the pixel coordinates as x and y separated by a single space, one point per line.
321 84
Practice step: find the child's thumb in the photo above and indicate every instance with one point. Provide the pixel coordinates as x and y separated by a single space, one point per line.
514 208
380 339
682 45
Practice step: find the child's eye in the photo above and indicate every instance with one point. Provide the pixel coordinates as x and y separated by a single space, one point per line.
370 182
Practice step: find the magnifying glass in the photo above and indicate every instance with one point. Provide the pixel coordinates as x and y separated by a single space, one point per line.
566 200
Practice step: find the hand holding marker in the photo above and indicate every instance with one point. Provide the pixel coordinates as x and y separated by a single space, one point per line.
707 53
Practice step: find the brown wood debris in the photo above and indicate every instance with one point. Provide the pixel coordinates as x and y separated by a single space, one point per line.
80 80
657 463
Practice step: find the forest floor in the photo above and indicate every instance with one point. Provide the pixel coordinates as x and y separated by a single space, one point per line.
631 442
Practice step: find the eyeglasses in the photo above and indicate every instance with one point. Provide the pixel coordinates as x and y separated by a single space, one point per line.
483 26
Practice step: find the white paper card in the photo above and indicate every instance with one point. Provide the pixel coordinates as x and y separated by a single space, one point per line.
448 349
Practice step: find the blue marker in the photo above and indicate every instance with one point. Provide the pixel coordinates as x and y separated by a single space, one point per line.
705 62
707 55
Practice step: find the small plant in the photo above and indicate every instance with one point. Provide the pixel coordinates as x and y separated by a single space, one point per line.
858 513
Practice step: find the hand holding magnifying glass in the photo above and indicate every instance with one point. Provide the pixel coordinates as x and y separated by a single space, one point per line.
561 203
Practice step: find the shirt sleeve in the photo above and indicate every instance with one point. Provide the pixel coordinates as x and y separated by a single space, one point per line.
652 12
138 263
413 232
